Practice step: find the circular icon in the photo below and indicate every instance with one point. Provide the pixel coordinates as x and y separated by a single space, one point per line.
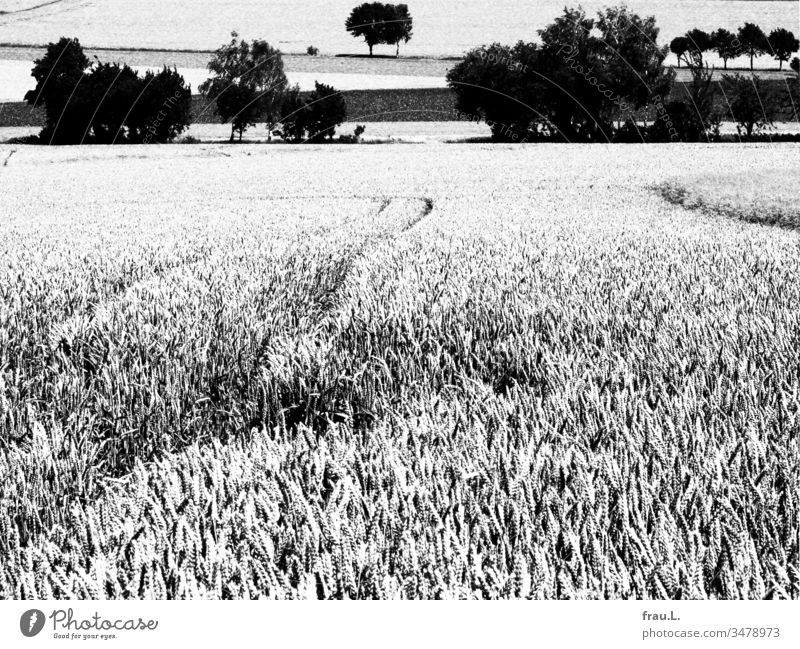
31 622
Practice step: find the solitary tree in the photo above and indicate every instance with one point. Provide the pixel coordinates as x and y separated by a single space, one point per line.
58 74
679 46
753 41
378 23
782 44
248 82
367 20
725 44
398 26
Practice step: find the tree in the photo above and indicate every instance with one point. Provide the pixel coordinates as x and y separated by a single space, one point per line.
58 74
163 109
679 46
699 42
248 83
316 119
725 44
783 44
105 99
367 20
795 65
378 23
752 103
752 41
573 86
398 26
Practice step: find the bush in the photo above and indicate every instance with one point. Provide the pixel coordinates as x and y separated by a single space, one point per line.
108 103
163 110
573 86
752 103
795 65
106 99
312 51
316 119
355 138
58 74
677 121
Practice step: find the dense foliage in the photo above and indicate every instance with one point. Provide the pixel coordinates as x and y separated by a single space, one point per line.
106 103
573 85
314 119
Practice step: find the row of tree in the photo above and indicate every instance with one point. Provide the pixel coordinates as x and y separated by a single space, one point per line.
109 103
574 86
750 40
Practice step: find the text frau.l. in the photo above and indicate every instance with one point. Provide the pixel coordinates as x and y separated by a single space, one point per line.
65 620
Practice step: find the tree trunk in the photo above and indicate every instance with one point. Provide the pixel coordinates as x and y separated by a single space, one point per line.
397 53
726 63
751 61
233 130
370 50
780 64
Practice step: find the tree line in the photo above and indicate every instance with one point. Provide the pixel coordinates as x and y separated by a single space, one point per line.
603 79
110 103
750 40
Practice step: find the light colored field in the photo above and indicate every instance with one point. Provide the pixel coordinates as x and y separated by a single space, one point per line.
439 27
16 80
401 371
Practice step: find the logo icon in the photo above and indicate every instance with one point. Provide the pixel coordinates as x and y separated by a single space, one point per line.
31 622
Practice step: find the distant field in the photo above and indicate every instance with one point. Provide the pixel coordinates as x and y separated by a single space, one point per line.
400 371
440 28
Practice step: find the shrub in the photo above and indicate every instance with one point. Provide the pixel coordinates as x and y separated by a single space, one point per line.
355 138
106 99
316 119
312 51
107 103
163 110
795 65
58 75
752 103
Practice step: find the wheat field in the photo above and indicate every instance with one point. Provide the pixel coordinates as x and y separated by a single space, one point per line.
411 371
